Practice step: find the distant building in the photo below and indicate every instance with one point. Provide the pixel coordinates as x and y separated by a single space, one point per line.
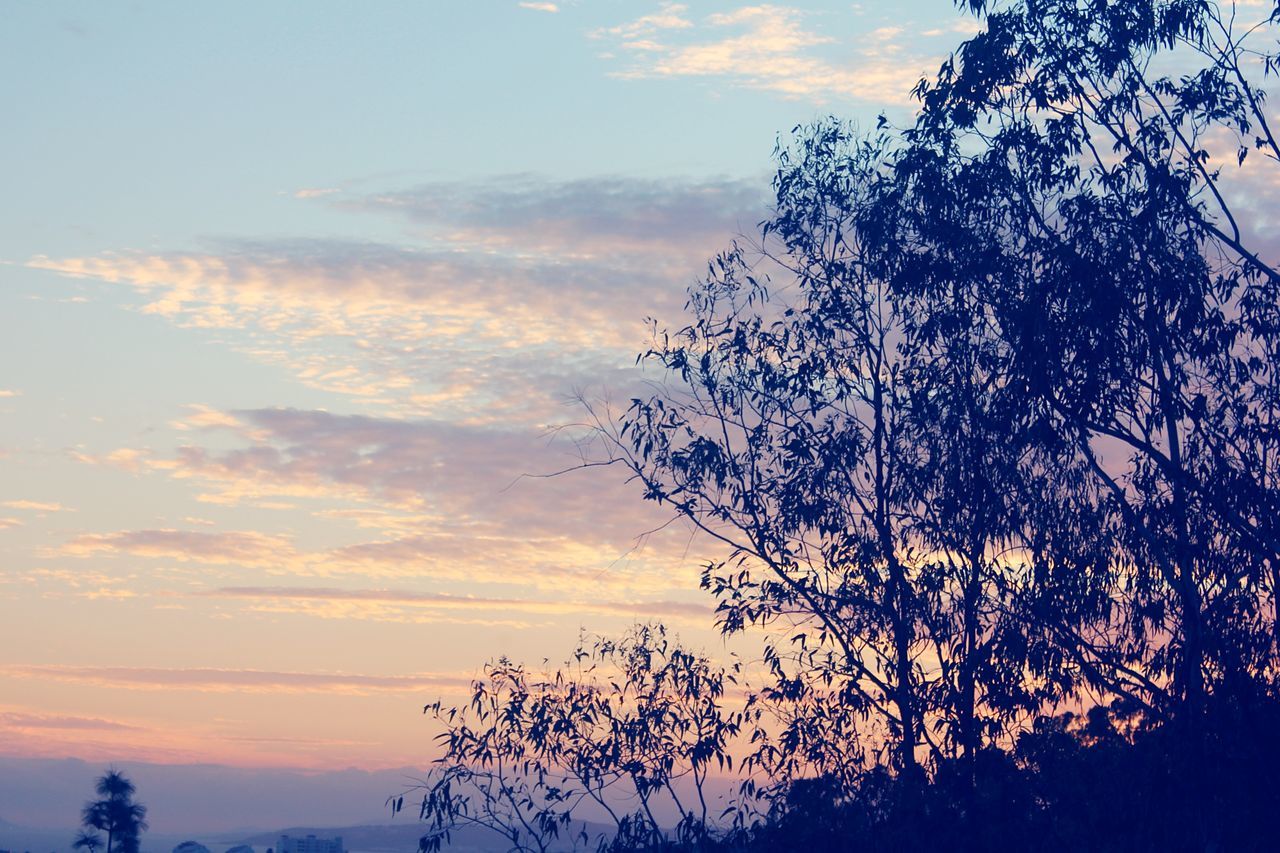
310 844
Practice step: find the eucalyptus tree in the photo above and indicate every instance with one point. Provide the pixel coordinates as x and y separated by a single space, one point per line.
841 421
1016 549
984 420
1140 307
784 440
626 733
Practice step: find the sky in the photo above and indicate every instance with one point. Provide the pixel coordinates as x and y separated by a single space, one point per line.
297 298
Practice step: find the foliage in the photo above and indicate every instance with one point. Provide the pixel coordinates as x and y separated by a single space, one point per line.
626 731
116 814
88 841
1106 780
985 420
1140 312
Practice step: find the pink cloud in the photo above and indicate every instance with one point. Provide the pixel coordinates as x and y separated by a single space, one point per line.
640 610
244 548
209 679
37 722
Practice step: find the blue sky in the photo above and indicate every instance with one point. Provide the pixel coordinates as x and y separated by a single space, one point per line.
293 293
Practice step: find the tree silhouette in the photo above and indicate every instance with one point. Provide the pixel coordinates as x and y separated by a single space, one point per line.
626 729
116 813
1145 314
986 419
87 840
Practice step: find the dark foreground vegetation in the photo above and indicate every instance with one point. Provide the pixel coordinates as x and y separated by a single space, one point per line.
986 420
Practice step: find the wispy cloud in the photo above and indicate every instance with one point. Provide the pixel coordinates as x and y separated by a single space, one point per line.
125 458
241 548
315 192
382 603
767 47
670 16
519 282
672 222
443 553
232 680
39 722
411 475
540 7
36 506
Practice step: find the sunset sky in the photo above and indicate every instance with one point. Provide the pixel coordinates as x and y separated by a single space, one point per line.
293 293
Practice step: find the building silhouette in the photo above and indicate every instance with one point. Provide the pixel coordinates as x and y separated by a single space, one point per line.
310 844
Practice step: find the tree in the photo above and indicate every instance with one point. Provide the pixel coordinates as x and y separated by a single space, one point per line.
116 813
853 437
1005 428
1144 313
626 730
86 840
985 420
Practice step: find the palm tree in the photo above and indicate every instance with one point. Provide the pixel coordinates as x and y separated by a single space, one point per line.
131 823
96 815
116 814
88 841
114 785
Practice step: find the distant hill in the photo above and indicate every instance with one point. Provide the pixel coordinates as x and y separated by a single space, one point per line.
381 838
23 838
395 838
194 800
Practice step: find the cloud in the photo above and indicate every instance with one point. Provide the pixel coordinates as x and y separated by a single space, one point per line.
6 523
966 27
232 680
36 506
83 582
6 392
671 16
767 47
315 192
447 500
443 553
124 458
399 328
521 282
206 417
241 548
39 722
672 222
414 464
540 7
375 603
423 470
315 288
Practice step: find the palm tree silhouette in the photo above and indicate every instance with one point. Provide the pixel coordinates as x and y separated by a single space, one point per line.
88 841
116 814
